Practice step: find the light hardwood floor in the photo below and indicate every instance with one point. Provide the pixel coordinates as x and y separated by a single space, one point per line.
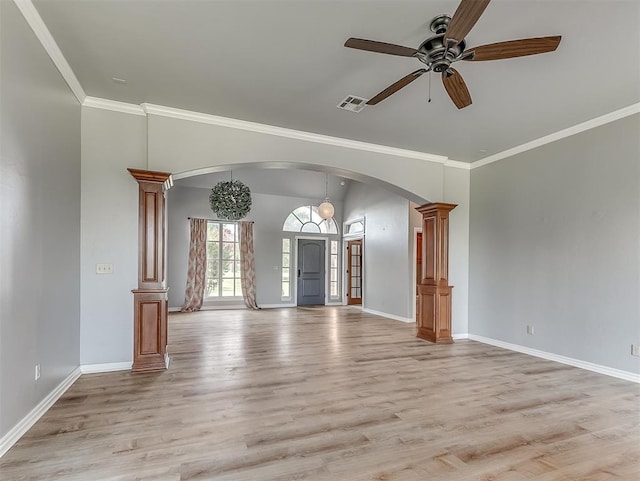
334 394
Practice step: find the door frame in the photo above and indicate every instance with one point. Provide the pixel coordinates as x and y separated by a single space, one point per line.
345 267
296 238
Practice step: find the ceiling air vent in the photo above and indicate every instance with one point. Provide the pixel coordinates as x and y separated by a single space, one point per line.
352 103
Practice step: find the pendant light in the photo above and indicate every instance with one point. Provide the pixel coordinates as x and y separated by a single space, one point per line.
326 209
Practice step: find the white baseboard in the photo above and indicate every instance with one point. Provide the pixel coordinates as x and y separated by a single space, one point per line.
589 366
460 336
36 413
212 307
407 320
107 367
275 306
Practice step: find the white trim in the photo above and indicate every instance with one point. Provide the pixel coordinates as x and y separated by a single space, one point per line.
15 433
106 367
356 235
275 306
576 129
33 18
457 337
145 109
289 133
589 366
41 31
223 307
214 307
389 316
457 164
114 105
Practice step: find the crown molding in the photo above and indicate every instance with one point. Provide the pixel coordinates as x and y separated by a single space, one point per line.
41 31
457 164
561 134
151 109
33 19
113 105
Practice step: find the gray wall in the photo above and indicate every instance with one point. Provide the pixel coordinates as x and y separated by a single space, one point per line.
268 212
555 244
111 142
456 191
388 248
39 222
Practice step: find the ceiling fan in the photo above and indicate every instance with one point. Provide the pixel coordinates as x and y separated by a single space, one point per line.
448 46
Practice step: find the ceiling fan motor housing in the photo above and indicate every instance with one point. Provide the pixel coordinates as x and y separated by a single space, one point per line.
436 56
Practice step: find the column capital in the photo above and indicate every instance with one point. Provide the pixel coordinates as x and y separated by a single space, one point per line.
152 177
436 207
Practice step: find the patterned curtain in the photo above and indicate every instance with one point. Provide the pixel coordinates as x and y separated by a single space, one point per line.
247 264
196 268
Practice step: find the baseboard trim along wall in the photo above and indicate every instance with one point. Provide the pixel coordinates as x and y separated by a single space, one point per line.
107 367
389 316
12 437
589 366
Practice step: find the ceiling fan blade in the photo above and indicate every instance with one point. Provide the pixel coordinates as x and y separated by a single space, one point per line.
463 20
380 47
514 48
456 88
393 88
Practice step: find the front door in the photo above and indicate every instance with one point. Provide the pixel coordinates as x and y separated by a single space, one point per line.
354 272
311 272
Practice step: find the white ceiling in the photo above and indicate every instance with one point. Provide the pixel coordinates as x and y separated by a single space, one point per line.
283 63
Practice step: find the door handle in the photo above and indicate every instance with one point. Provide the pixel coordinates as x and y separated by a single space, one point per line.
298 272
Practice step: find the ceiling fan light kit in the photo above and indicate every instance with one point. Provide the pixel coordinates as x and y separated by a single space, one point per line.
448 46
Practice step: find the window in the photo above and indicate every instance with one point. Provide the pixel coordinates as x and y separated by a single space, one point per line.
354 228
307 219
223 261
333 269
286 268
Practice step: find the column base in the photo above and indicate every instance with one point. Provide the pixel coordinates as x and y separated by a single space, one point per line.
434 322
150 330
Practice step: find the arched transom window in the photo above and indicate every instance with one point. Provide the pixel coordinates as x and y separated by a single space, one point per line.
307 219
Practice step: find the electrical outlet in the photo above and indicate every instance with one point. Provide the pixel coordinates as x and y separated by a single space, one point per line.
106 268
37 372
530 330
635 349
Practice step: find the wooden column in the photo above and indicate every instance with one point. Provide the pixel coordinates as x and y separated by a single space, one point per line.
434 291
150 298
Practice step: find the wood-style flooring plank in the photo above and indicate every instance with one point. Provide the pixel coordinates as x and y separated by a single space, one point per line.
333 394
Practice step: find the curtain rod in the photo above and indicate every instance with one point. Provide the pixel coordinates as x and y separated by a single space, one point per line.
220 220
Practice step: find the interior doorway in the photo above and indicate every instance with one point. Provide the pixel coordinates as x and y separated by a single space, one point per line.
311 272
354 272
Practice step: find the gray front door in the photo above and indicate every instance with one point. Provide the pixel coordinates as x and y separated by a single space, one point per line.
310 272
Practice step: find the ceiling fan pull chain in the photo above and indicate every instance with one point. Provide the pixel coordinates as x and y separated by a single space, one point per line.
429 101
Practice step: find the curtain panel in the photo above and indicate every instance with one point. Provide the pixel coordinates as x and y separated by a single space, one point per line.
247 264
196 267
